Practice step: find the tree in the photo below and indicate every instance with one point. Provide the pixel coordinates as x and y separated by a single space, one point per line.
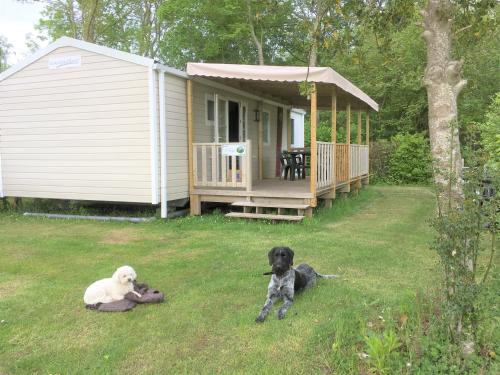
444 83
5 48
230 31
128 25
460 219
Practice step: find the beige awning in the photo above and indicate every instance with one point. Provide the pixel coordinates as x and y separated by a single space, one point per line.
282 82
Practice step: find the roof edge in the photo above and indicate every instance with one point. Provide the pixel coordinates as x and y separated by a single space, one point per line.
319 75
71 42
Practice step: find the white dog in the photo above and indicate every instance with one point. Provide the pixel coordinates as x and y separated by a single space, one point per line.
111 289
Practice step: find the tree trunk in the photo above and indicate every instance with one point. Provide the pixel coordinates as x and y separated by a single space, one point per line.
443 82
89 10
258 44
313 36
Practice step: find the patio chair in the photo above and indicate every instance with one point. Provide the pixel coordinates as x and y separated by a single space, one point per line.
300 166
286 165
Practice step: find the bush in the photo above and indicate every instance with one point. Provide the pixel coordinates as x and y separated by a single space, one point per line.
410 162
380 153
490 134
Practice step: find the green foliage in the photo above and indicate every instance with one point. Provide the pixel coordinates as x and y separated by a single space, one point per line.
380 154
490 134
404 159
410 162
5 48
463 234
381 349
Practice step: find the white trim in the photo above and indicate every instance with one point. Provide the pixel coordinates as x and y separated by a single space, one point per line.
153 128
171 71
70 42
232 90
268 127
243 126
163 146
208 96
1 179
216 119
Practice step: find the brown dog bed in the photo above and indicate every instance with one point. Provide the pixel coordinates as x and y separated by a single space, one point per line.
148 295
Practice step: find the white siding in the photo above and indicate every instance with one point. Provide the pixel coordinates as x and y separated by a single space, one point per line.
76 133
177 138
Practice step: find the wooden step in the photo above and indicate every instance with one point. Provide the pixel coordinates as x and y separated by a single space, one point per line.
243 215
271 205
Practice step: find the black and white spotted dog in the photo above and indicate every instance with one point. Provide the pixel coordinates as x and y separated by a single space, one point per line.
285 280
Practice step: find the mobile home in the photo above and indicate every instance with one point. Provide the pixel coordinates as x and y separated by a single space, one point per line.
85 122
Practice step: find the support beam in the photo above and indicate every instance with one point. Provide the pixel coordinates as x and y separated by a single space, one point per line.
367 140
193 199
358 138
358 141
367 135
334 117
288 129
348 143
334 139
314 156
261 144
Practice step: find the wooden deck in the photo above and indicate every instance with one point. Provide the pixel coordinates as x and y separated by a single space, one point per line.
270 188
273 188
270 198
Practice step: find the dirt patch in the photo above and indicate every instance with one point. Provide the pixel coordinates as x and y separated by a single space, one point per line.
121 236
335 225
10 288
155 255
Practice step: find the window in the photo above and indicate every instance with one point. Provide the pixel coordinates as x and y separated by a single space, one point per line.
209 110
292 131
266 131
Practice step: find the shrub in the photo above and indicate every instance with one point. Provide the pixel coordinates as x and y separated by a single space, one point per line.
410 162
380 153
490 134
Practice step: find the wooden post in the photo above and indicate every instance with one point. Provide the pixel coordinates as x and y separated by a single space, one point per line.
334 139
249 164
314 156
194 200
334 117
358 141
358 138
261 144
367 141
288 129
348 143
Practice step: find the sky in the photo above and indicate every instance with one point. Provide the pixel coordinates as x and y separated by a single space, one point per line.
16 20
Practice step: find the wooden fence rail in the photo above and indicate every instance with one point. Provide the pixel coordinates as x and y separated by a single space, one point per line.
212 166
359 161
341 166
326 160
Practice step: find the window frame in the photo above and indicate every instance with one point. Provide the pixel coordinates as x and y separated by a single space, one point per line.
210 97
268 128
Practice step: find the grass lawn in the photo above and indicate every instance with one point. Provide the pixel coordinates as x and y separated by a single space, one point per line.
211 271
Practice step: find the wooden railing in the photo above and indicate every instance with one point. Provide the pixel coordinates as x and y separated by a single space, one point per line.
219 165
359 161
326 159
341 166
